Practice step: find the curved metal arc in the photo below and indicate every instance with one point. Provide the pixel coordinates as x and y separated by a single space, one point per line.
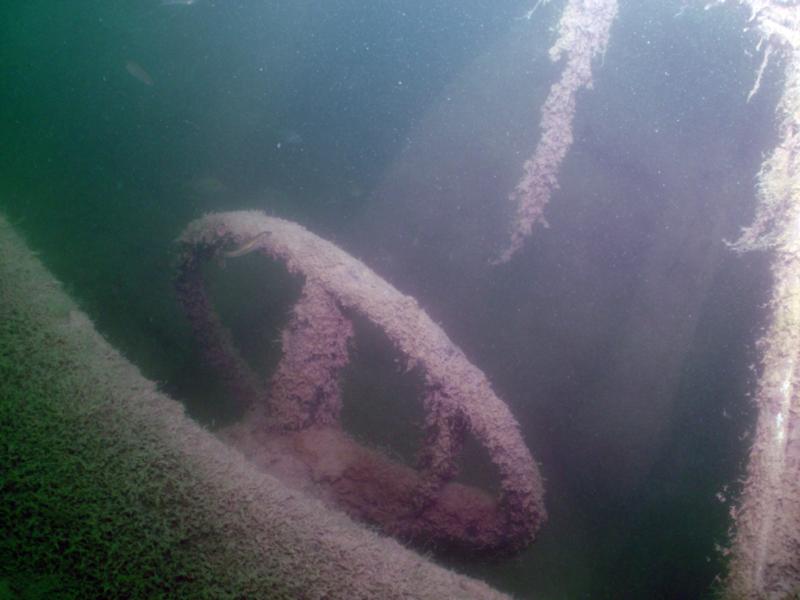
463 394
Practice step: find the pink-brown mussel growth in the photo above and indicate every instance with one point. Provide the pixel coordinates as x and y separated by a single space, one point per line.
292 427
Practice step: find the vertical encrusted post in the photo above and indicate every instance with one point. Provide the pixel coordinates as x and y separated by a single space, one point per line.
215 341
765 556
583 33
314 350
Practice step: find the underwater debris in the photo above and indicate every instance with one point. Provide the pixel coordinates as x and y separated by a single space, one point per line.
765 562
302 402
583 34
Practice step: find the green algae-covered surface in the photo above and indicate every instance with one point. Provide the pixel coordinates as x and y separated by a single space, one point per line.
108 490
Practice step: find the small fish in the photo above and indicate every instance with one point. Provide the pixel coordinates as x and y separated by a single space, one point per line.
137 71
248 246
